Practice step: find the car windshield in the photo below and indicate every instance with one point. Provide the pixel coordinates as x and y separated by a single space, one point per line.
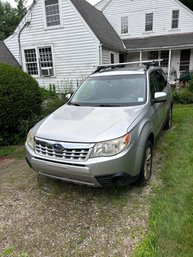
116 90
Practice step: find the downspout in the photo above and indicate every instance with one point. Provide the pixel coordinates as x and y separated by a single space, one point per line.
19 42
100 55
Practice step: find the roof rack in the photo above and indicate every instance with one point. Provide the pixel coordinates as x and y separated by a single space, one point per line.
147 64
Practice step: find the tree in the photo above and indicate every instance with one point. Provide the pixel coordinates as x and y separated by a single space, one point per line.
10 17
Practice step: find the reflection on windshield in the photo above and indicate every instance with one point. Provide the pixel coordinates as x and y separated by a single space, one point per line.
111 91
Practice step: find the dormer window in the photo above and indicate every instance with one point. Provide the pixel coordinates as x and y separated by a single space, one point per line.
124 25
149 22
175 19
52 13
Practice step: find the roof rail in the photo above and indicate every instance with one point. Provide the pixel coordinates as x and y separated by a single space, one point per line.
146 64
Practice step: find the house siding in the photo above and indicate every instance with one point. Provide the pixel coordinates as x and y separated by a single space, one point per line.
136 10
75 47
106 59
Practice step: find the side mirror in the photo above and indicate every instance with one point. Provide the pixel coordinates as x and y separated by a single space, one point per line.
160 97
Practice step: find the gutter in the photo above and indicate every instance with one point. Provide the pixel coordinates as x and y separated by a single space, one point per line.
19 42
159 47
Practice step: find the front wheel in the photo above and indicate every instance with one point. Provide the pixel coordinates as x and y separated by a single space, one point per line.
146 167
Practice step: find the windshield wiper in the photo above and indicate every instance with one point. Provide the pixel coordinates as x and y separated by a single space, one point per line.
109 105
73 103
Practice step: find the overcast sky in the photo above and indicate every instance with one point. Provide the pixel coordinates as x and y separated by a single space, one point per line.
12 2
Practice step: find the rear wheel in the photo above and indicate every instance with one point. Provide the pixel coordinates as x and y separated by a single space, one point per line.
146 167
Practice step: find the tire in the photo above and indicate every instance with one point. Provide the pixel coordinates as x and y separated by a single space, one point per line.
168 124
146 167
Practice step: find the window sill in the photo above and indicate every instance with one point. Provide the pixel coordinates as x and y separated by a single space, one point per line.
148 32
53 27
171 30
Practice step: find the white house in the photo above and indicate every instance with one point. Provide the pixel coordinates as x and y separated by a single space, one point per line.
60 41
153 29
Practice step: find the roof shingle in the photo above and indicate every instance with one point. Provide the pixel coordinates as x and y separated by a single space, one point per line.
163 41
99 25
6 56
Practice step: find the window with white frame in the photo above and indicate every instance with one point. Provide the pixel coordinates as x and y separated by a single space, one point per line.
165 56
52 13
153 55
124 25
39 61
31 61
149 22
175 19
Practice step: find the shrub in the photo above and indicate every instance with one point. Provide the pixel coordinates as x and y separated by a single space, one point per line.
190 85
183 96
20 104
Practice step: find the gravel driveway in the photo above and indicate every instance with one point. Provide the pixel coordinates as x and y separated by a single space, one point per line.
44 217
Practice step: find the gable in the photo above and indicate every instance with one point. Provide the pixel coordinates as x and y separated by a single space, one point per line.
136 12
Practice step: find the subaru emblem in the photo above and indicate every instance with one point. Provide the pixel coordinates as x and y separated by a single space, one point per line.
58 147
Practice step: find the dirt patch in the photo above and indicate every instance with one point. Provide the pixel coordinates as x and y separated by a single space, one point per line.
49 218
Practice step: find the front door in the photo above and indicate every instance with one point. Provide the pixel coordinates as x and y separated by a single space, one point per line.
185 60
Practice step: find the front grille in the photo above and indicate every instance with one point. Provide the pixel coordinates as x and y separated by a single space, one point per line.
69 151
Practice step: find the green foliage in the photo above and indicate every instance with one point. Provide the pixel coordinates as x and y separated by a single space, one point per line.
190 85
171 218
184 95
20 104
10 17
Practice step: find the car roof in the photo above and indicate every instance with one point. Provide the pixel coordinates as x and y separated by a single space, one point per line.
116 73
129 68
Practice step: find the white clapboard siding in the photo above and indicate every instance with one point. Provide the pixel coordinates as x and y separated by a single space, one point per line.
106 56
75 47
136 11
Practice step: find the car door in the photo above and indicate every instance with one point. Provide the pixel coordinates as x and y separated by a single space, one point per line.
163 86
157 109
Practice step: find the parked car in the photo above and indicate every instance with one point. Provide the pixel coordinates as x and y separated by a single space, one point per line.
104 135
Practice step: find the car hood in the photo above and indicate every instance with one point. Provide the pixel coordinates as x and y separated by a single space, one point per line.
88 124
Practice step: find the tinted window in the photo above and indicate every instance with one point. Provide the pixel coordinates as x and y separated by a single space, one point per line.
160 80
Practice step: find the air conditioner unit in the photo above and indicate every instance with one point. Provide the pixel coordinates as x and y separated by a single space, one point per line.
47 71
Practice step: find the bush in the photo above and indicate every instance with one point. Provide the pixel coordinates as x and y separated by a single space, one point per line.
20 104
190 85
183 96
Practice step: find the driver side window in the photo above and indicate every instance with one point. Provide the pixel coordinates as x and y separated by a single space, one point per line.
153 85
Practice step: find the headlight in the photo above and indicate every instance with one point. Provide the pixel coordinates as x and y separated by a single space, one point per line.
111 147
30 139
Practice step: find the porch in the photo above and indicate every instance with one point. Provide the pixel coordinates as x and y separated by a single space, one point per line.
176 51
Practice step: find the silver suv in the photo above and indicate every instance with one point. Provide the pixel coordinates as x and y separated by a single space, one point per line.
105 134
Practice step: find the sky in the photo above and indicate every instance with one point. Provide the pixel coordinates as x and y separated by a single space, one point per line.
28 2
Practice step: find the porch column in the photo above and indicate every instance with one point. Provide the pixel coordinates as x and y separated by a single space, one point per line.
169 63
141 56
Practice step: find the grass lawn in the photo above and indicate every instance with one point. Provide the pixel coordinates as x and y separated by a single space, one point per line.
12 152
171 209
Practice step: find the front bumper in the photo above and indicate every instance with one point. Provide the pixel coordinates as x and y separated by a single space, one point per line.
97 172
